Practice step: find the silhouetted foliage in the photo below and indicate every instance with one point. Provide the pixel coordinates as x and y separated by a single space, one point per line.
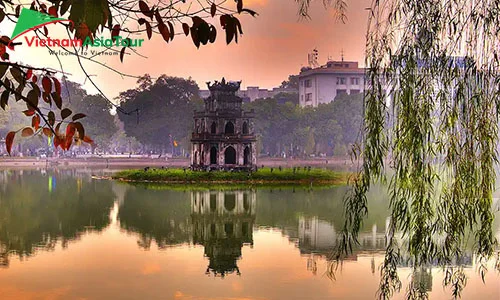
39 88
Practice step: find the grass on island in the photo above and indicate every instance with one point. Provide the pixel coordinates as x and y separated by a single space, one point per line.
263 176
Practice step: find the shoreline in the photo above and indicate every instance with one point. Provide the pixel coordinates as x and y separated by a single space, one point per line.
339 163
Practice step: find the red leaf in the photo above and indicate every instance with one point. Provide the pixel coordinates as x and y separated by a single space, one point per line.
57 99
4 99
57 85
53 11
78 116
185 27
47 132
66 113
70 130
213 9
29 73
158 17
80 130
46 97
35 122
46 84
122 53
9 141
212 34
29 112
6 39
164 32
223 20
145 9
43 7
83 31
149 30
115 32
34 79
68 142
51 118
197 21
45 31
171 30
195 38
28 131
238 25
57 141
58 126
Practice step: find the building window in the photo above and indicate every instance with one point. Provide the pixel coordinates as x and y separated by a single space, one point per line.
301 98
307 83
355 81
229 128
341 92
245 128
341 80
309 97
355 92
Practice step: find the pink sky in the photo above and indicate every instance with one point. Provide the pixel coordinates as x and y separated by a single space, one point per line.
274 45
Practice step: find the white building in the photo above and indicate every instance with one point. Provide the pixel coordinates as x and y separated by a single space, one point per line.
321 85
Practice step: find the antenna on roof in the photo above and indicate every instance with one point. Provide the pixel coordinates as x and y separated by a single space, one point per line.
312 58
342 54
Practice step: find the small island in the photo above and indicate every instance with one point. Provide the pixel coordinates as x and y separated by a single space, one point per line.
263 176
223 151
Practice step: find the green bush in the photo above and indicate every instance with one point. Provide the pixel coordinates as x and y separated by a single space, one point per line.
264 175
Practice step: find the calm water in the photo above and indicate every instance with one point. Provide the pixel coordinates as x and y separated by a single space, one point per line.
66 236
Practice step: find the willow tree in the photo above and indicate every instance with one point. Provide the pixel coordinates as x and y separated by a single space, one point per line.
431 121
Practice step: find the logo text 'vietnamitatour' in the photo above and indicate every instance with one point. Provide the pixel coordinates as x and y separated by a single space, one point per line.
30 20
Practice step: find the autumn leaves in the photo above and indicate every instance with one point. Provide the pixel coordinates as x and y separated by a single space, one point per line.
201 31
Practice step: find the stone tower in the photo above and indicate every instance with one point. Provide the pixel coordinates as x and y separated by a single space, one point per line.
223 137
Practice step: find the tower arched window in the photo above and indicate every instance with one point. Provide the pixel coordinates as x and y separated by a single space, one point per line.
245 128
229 129
213 128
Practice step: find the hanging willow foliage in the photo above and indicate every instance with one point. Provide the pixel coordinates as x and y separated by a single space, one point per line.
431 114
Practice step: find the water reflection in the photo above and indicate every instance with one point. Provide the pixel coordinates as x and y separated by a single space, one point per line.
36 213
223 223
156 216
263 235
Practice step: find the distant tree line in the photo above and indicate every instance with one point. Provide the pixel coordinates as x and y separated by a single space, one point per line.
161 116
288 129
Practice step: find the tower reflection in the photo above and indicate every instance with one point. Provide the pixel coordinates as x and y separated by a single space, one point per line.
223 222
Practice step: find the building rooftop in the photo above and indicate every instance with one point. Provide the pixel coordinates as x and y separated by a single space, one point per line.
334 67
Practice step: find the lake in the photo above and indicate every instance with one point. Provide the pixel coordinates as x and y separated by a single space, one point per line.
64 235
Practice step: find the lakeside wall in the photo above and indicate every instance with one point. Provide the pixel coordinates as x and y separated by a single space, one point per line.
9 162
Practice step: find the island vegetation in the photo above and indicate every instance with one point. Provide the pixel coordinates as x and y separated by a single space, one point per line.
263 176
